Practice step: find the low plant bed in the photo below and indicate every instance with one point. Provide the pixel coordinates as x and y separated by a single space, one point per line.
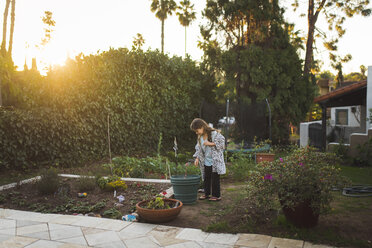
66 200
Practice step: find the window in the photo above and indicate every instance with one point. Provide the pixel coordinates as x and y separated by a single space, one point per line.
342 117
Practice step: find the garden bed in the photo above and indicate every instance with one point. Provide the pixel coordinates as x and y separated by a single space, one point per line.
98 202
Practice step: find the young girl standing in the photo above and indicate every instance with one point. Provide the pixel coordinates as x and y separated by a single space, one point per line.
209 156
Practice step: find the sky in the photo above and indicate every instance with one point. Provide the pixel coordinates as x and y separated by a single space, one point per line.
91 26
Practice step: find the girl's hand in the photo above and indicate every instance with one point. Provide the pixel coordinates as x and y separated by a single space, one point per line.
196 162
207 143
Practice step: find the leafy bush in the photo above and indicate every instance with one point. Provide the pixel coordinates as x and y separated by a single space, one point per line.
112 213
303 175
63 121
86 183
137 167
49 182
364 157
241 166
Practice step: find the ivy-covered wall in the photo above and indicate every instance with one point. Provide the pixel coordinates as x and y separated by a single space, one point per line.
63 119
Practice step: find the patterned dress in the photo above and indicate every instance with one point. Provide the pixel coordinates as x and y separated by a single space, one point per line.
217 154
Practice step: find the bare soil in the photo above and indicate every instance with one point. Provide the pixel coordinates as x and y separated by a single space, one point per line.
66 200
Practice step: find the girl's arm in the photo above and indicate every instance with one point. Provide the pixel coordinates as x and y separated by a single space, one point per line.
219 141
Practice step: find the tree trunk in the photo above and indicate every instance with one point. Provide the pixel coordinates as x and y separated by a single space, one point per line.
162 36
3 44
185 41
312 17
12 17
1 99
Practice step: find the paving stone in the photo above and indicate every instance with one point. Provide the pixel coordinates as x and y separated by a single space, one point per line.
53 226
192 234
254 240
6 224
87 221
135 230
32 229
17 242
8 231
76 240
89 230
189 244
113 225
311 245
142 242
285 243
44 244
4 213
4 237
101 238
222 238
68 232
38 235
214 245
21 223
166 235
64 219
118 244
69 245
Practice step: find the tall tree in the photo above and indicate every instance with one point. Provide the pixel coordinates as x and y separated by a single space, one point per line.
5 23
247 43
186 15
12 18
162 9
49 27
335 12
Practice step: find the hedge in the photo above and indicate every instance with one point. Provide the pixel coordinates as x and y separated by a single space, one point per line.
65 118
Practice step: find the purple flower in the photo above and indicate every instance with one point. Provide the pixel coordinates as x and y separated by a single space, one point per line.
281 159
268 177
300 164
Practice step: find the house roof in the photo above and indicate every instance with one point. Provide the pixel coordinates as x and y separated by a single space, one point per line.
352 94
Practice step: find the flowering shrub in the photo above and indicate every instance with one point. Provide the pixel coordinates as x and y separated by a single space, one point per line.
304 175
118 184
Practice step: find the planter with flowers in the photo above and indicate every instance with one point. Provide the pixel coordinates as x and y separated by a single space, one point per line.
159 209
302 182
263 151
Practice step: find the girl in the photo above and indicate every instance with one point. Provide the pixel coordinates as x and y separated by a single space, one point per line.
209 156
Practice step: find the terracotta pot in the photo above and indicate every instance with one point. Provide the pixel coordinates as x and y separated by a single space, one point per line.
260 157
302 215
159 215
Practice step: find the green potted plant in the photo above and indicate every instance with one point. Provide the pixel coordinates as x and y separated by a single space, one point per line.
302 182
185 187
159 209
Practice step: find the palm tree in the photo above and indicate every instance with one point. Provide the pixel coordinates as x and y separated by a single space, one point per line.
3 44
186 15
163 8
12 17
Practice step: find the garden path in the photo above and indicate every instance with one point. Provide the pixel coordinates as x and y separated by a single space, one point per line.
30 229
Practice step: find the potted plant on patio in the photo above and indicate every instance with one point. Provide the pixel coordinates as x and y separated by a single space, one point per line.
302 182
159 209
185 187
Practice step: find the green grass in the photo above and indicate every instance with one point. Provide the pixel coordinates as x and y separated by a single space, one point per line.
358 175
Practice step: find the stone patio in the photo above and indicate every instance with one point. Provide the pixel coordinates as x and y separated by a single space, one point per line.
29 229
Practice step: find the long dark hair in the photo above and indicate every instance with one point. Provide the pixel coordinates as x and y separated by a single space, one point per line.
198 123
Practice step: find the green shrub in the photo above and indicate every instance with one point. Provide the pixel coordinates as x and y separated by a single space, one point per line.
86 183
64 117
112 213
241 165
49 182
